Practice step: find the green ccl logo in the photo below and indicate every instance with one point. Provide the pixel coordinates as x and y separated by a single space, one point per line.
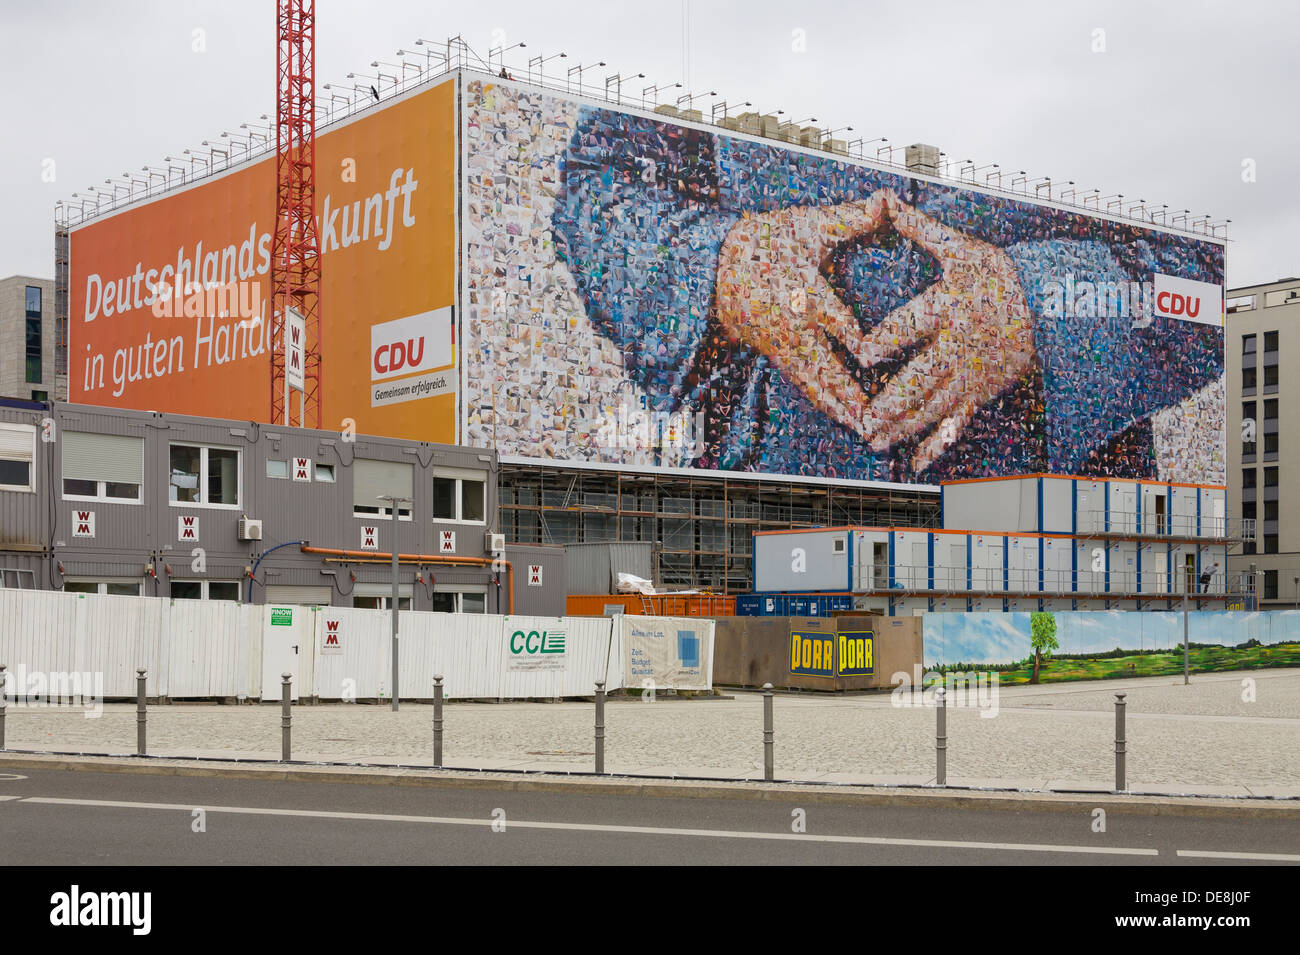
547 641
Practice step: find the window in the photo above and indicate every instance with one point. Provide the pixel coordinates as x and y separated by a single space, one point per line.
17 452
460 602
1248 477
1270 584
381 603
277 469
205 590
1270 477
1270 409
204 476
371 479
33 335
116 588
1270 376
1270 443
1248 409
380 596
459 496
1270 511
102 467
1270 544
325 473
1247 379
1270 341
1248 344
1248 510
40 396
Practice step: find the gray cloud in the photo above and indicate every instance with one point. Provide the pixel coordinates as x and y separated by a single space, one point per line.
1182 95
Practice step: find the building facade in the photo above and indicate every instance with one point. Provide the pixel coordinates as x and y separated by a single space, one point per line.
602 293
1262 345
28 343
98 500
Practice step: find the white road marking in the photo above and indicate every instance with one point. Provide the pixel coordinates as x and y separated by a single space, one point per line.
1258 856
593 827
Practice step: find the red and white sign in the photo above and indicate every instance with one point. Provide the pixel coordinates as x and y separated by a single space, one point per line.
534 575
187 528
83 523
295 349
301 468
331 643
413 344
446 542
1188 300
370 538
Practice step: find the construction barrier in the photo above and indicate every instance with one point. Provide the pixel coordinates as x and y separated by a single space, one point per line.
218 649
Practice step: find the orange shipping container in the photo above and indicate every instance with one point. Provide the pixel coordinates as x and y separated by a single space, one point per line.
659 605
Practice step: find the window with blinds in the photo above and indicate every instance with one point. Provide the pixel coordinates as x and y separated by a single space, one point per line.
17 456
372 480
102 467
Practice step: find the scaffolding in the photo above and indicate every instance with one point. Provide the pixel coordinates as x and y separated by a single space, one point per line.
701 525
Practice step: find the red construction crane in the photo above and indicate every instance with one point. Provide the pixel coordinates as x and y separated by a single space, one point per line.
295 250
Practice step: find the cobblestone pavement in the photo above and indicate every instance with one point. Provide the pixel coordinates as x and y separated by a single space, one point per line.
1202 738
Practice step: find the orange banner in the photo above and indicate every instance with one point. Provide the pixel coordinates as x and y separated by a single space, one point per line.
170 301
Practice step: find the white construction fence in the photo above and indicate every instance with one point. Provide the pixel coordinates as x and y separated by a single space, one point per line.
204 649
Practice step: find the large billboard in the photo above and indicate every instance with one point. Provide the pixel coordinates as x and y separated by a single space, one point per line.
169 299
642 293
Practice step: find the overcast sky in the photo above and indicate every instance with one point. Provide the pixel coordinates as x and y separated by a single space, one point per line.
1181 96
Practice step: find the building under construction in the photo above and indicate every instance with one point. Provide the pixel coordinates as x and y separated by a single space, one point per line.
519 260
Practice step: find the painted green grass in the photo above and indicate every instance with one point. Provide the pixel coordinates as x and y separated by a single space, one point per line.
1201 659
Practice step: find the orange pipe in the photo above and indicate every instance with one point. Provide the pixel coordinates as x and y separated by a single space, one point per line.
378 557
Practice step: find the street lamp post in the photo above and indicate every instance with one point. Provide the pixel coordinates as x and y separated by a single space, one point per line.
393 502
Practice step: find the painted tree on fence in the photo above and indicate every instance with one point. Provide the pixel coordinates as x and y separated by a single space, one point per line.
1042 630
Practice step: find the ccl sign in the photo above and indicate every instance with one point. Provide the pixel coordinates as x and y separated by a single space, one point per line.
1188 300
536 650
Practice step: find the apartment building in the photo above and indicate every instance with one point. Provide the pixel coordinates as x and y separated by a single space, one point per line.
27 338
1262 341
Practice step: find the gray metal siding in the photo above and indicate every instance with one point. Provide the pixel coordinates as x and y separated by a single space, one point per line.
548 600
823 569
594 568
129 536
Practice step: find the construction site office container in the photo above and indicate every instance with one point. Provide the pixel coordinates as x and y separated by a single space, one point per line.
803 561
1059 504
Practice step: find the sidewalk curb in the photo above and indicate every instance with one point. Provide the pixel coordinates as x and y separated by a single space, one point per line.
665 787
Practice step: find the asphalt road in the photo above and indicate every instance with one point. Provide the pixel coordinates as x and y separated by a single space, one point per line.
61 817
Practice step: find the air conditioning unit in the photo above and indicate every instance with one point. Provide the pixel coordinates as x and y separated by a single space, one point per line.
496 543
249 529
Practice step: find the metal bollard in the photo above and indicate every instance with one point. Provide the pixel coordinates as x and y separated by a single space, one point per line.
941 737
769 734
1121 743
140 715
437 721
600 727
286 720
4 681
